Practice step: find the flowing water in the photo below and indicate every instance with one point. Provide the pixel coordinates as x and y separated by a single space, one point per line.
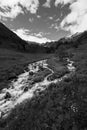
16 88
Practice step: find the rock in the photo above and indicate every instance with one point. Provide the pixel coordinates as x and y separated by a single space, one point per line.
38 79
62 73
26 68
37 91
31 73
7 96
12 76
52 77
67 79
32 82
41 68
25 89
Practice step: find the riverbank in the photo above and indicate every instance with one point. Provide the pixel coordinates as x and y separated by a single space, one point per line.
20 89
13 63
61 106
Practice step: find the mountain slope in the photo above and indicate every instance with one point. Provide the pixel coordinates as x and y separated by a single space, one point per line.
10 40
70 42
62 106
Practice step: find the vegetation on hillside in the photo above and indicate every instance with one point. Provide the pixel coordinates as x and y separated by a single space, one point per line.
62 106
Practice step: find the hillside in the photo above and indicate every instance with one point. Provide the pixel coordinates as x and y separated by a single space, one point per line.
15 54
60 105
68 42
10 40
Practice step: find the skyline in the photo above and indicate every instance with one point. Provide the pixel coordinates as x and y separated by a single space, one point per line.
44 20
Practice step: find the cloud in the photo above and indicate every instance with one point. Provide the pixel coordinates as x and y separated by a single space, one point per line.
11 13
25 34
55 26
76 20
12 8
51 18
63 2
38 16
47 4
40 34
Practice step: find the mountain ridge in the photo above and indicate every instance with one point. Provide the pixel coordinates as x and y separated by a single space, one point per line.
10 40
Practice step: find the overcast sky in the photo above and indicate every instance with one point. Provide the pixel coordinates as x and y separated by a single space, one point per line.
44 20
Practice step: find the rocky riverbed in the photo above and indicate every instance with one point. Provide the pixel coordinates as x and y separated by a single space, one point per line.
28 84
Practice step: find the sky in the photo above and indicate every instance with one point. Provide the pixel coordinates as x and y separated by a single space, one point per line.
44 20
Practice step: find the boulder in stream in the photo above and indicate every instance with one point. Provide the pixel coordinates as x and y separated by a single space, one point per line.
41 68
25 89
8 95
68 79
31 73
37 79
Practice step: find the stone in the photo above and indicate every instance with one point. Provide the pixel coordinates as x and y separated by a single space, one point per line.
25 89
31 73
8 95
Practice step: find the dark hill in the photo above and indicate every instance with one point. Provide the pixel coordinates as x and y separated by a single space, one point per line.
70 42
10 40
62 106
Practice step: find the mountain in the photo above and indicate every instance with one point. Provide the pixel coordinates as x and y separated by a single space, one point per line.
68 42
10 40
62 106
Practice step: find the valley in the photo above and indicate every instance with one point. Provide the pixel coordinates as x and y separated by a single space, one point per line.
28 84
43 87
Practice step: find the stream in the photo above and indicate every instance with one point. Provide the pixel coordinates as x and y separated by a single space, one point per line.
16 94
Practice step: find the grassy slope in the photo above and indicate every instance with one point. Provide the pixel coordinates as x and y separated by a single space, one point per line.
60 107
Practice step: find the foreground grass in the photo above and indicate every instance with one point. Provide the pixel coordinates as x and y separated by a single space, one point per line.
61 107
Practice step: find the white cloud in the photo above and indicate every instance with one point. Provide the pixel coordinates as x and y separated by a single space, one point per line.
12 8
38 16
47 4
63 2
55 26
76 20
25 34
51 18
11 13
40 34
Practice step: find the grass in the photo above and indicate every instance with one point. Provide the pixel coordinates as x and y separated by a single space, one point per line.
13 63
56 64
62 106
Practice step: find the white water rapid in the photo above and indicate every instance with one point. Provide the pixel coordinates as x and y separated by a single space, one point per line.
16 88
